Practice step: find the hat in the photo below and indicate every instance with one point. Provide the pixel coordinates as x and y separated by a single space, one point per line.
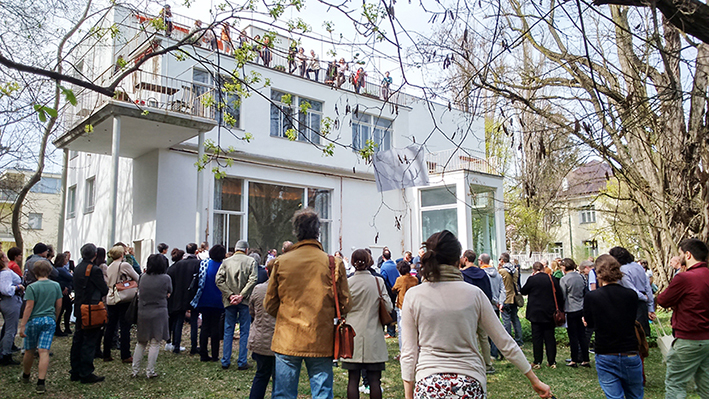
39 248
241 245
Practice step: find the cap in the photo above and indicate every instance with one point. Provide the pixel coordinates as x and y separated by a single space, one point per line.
241 245
39 248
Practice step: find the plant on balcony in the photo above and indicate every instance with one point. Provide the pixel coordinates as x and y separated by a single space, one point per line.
281 68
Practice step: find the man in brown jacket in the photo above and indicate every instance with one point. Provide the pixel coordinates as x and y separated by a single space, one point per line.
300 296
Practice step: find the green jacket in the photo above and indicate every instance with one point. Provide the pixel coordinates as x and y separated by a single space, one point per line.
237 276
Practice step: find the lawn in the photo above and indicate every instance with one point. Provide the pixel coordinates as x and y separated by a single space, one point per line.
184 376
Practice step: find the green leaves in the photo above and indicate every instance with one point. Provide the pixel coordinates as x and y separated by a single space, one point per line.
69 95
9 88
291 134
43 112
287 99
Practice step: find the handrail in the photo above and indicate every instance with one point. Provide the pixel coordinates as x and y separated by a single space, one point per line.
460 159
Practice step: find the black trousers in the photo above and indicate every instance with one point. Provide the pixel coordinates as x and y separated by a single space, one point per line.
543 335
116 318
265 368
642 317
211 318
83 349
66 311
577 337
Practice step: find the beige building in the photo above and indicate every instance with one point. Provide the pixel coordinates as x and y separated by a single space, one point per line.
40 212
578 235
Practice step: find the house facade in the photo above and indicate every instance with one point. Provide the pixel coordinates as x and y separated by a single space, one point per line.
579 234
39 220
294 142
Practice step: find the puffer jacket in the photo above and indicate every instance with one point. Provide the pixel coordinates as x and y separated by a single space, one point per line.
263 324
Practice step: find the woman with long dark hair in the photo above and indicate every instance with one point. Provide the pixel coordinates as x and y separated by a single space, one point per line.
440 354
66 283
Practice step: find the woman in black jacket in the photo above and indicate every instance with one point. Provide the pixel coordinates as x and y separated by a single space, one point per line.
66 282
540 312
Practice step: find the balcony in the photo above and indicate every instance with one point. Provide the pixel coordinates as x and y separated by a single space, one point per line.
156 112
460 159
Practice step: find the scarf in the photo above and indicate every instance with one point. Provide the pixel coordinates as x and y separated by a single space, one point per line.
450 273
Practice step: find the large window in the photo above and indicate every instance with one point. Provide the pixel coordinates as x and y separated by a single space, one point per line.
47 185
482 218
265 212
90 194
591 248
287 113
371 128
587 214
71 202
439 211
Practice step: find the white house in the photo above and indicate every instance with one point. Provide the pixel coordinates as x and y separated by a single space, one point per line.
132 175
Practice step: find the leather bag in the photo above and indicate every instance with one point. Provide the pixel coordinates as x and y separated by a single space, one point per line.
92 315
344 333
132 311
559 316
123 291
384 316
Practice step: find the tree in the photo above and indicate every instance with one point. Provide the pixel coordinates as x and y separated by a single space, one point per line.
628 88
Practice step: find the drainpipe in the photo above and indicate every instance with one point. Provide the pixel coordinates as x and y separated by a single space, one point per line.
62 208
571 237
200 178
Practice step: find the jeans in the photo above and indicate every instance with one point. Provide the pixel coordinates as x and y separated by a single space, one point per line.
285 384
194 331
493 348
398 324
685 360
510 319
543 335
620 376
232 314
10 307
265 369
83 349
577 337
116 317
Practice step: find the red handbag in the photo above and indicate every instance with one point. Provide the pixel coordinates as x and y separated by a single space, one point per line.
559 316
344 333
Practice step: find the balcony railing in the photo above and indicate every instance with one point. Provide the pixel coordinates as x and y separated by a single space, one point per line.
148 91
460 159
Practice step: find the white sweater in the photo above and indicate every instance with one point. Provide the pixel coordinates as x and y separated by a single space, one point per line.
440 322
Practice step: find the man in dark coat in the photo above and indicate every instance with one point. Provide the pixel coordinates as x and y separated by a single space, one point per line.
182 272
88 290
540 312
479 278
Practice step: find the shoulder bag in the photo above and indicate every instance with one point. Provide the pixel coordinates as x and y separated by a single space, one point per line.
122 291
92 315
344 333
384 316
518 298
559 316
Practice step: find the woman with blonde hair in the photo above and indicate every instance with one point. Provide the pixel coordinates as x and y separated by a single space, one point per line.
118 273
440 354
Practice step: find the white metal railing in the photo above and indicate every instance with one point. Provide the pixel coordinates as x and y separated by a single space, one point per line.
459 159
526 260
148 91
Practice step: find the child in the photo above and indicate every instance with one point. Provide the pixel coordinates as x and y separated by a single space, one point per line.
44 302
401 285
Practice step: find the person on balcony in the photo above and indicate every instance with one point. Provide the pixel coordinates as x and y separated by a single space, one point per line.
210 38
195 35
358 79
313 65
166 16
292 52
386 82
226 38
266 54
302 61
342 69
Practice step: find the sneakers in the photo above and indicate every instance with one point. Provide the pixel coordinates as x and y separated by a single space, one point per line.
25 378
169 347
41 389
245 367
490 371
364 389
536 366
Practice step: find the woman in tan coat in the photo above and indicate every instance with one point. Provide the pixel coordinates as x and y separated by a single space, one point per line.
370 349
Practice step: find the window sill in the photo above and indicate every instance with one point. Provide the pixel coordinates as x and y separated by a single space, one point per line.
296 141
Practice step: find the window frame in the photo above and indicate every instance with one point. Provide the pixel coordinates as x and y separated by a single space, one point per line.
301 122
439 207
213 85
90 195
587 214
373 125
71 202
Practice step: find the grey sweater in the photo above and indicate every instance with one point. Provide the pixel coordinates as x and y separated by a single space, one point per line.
572 286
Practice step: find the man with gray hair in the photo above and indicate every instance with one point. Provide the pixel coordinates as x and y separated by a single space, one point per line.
236 278
498 292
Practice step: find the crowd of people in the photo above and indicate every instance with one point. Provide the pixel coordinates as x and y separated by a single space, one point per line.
306 65
452 311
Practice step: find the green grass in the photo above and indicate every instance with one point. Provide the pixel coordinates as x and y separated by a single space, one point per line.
184 376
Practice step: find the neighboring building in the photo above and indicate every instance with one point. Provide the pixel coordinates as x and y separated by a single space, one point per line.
40 211
579 235
132 174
